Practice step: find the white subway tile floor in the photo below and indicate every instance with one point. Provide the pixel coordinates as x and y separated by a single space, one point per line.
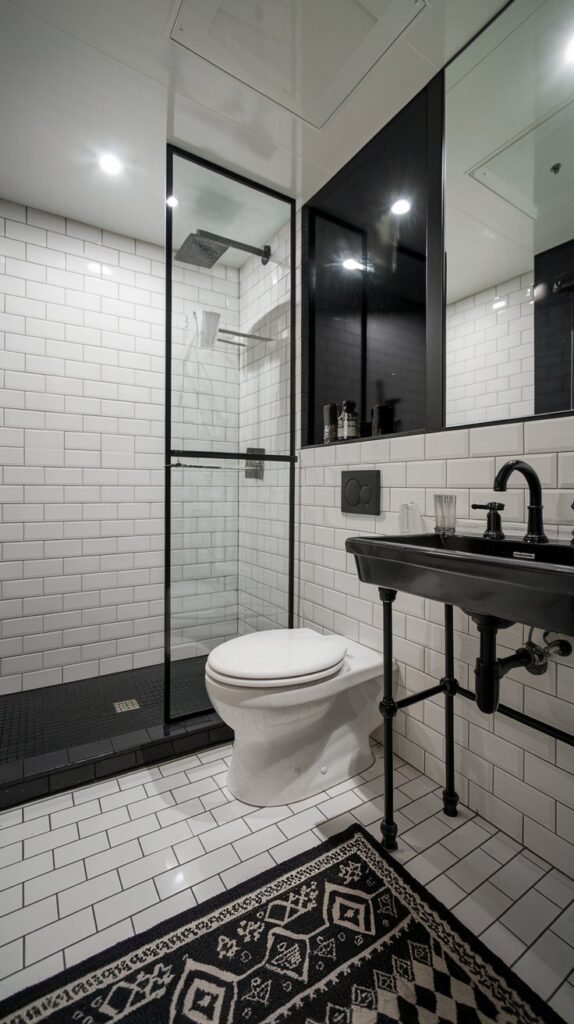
89 868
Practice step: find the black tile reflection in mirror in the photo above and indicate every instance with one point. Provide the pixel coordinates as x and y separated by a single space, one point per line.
365 281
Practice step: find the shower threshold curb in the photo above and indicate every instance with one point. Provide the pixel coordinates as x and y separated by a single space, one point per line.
61 770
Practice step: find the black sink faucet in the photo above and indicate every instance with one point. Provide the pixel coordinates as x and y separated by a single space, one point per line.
535 530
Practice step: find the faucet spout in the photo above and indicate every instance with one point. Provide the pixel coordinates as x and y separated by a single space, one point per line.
535 529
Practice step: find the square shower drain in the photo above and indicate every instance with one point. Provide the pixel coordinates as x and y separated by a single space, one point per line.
126 705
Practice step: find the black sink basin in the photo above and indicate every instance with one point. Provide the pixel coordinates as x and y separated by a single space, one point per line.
529 583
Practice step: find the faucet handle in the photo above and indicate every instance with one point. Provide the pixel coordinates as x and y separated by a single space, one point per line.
493 521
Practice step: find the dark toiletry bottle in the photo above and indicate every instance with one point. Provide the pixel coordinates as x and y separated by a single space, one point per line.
348 426
329 423
382 419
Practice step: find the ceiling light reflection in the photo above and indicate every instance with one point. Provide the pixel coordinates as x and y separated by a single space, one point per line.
401 206
352 264
110 163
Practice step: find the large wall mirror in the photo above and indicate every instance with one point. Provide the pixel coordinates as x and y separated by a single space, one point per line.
509 218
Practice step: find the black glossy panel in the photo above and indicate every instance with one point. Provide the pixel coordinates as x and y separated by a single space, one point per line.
554 329
527 583
338 316
365 330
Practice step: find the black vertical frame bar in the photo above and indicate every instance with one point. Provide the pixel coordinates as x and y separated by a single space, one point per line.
364 327
290 459
292 416
435 269
308 278
450 686
388 710
167 449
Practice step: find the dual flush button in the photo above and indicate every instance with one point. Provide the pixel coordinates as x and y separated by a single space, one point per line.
361 492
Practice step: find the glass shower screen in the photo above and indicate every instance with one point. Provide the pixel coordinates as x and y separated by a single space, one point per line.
229 419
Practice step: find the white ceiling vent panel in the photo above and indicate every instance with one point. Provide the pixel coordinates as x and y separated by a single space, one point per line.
307 55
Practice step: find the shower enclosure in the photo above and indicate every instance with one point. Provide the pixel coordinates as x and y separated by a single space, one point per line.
229 427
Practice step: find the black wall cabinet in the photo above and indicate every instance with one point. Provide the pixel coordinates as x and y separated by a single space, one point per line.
373 279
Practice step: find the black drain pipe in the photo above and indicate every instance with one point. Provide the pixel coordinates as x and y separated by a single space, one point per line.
489 669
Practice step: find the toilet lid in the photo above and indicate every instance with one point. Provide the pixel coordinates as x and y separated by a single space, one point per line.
277 656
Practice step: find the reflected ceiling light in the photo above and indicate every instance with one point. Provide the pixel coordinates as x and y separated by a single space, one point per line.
110 163
352 264
107 271
569 55
172 200
94 267
401 206
499 303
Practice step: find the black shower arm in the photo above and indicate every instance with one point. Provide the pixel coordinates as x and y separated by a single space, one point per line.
264 253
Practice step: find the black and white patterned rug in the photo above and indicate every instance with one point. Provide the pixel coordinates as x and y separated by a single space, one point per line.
338 935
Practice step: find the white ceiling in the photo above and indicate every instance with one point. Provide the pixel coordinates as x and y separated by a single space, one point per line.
509 118
82 77
278 48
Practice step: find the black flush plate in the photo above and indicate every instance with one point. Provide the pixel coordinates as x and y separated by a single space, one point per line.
361 492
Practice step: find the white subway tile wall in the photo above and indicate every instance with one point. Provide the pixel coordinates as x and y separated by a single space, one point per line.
518 779
82 353
490 354
81 449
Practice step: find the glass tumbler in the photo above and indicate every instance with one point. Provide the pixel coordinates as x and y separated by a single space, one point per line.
445 513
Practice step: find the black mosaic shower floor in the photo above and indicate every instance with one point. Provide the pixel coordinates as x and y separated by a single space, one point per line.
81 715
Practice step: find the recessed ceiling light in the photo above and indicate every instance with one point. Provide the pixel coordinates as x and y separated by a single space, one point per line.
110 163
172 200
499 303
401 206
352 264
569 55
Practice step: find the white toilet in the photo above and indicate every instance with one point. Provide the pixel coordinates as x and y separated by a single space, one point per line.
302 707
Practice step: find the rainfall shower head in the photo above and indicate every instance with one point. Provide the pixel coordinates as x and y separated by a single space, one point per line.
200 252
203 249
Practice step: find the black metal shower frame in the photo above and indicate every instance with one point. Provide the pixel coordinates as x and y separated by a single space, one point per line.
290 459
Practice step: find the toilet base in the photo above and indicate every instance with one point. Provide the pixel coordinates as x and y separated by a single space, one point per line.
274 765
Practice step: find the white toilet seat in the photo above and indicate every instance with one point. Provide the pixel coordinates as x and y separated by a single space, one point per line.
279 683
277 658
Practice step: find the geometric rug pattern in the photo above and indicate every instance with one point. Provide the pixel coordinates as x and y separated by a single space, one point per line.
339 935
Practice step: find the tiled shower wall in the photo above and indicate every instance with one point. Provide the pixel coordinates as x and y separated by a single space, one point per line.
490 355
518 779
81 443
204 506
264 422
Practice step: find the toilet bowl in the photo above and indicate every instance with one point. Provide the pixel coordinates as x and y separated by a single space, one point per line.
302 707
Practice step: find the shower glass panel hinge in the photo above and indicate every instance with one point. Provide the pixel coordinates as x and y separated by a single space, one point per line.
254 466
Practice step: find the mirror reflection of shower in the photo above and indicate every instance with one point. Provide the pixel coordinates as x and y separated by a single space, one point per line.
203 249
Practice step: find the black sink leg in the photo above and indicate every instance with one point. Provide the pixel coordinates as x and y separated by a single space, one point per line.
450 686
388 709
